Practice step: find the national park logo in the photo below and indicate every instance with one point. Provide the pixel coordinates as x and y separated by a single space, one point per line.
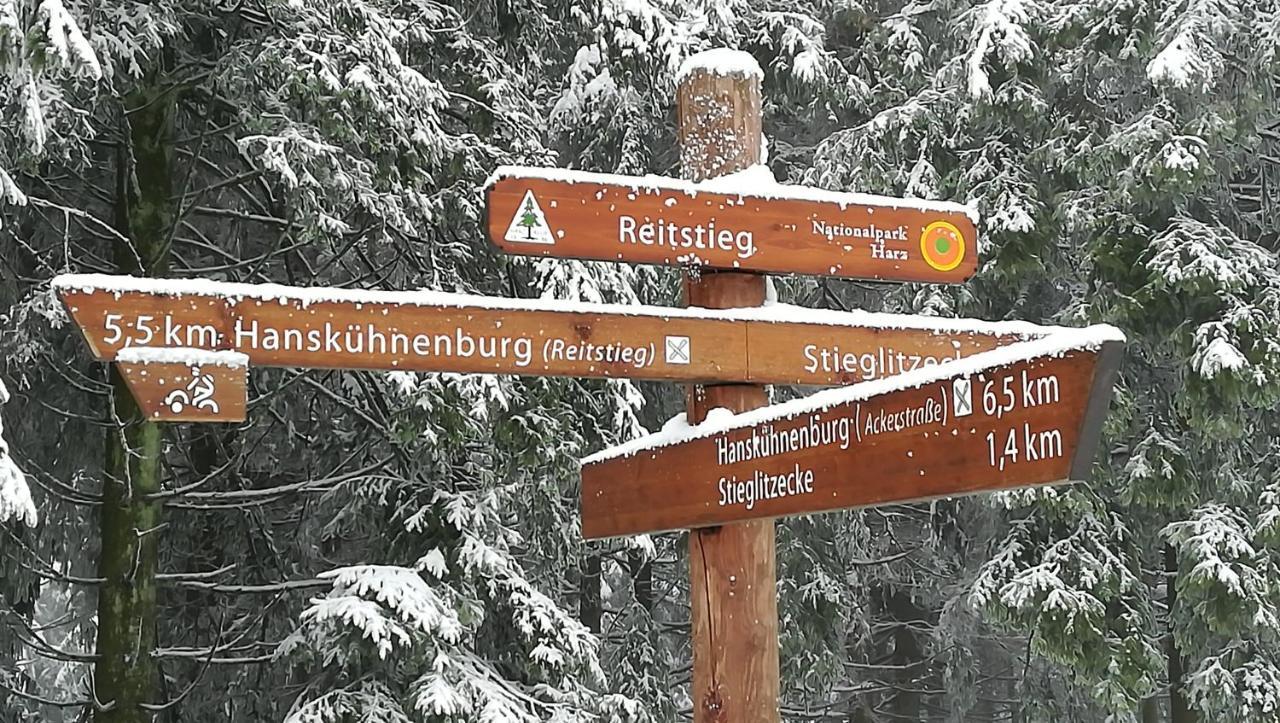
942 245
529 224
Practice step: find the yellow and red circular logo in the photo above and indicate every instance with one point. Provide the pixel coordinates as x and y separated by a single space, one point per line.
942 245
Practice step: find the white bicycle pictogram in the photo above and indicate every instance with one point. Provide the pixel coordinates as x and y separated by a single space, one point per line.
198 393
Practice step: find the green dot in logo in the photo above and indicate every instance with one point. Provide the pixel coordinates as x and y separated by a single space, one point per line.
942 245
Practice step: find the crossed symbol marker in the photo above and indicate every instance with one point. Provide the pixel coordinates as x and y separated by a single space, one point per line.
677 350
962 397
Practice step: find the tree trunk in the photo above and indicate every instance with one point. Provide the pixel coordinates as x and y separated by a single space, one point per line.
904 703
641 579
1150 710
125 672
1179 710
589 605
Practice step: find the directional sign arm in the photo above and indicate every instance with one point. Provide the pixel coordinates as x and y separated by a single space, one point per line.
1027 414
729 223
430 331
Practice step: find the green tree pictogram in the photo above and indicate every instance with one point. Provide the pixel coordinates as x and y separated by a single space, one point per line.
529 219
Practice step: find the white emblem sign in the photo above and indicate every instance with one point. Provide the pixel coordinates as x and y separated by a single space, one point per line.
677 350
529 224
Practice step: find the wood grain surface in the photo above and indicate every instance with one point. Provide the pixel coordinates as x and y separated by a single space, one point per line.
733 577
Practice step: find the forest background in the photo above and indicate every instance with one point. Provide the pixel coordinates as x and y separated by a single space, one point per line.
399 547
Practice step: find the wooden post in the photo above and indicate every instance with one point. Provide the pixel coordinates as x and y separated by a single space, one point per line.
733 569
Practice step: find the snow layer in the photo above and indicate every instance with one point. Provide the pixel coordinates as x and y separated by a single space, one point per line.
1221 355
1179 64
182 355
678 431
753 182
776 313
15 496
758 178
720 61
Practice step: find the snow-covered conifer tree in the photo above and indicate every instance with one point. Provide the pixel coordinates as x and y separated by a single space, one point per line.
16 505
321 144
404 547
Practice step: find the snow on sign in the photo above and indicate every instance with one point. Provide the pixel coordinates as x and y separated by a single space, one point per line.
184 384
432 331
1026 414
743 221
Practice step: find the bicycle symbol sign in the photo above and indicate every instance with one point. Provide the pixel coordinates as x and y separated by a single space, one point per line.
198 393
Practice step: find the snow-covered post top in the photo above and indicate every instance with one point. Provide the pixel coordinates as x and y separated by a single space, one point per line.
720 61
718 101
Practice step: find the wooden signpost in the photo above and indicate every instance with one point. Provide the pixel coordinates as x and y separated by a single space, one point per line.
733 576
1028 414
982 406
726 225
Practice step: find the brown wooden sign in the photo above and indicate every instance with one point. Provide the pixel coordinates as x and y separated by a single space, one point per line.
429 331
186 385
1025 415
728 225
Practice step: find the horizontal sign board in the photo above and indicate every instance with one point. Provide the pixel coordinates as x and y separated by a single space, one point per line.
431 331
1027 414
186 385
729 224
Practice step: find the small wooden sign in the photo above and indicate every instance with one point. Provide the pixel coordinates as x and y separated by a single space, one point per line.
430 331
729 225
186 385
1028 414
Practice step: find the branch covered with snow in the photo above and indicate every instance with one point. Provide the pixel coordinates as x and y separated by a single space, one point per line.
15 497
